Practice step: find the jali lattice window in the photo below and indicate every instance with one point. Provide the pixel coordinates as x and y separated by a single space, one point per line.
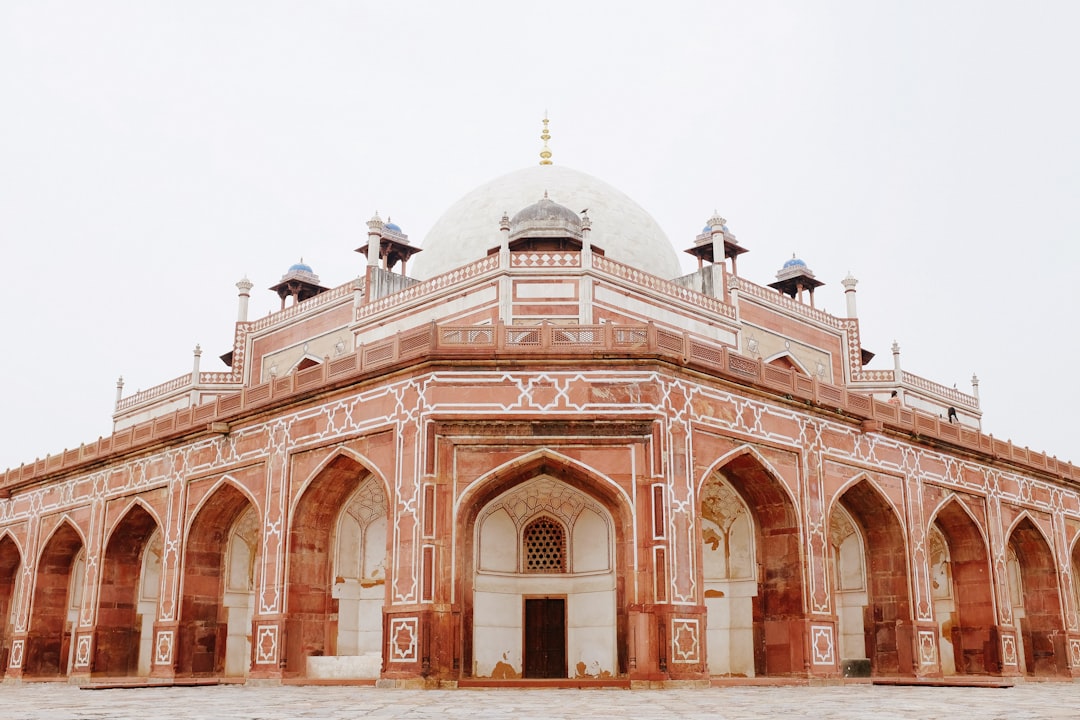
545 546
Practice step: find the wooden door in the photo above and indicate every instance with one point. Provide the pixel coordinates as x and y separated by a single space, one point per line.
545 638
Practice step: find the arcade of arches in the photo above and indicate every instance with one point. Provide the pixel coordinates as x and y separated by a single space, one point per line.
523 557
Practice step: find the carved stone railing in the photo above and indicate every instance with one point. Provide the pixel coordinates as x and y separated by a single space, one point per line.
875 376
783 301
311 303
458 344
142 396
207 381
662 286
546 260
425 288
960 398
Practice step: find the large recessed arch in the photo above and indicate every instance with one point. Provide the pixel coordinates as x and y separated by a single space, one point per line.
54 611
963 592
757 614
215 615
10 564
334 613
1035 594
122 631
601 498
888 603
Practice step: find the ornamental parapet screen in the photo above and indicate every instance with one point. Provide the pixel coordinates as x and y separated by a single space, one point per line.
781 300
456 343
546 261
642 279
327 298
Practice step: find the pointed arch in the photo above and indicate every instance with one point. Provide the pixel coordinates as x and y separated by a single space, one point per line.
954 499
225 481
760 459
1038 614
57 587
10 562
206 620
307 360
776 609
538 462
119 623
1025 517
964 604
332 457
787 361
65 524
863 477
134 502
888 617
319 601
7 534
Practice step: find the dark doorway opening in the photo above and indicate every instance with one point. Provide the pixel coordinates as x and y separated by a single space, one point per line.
545 638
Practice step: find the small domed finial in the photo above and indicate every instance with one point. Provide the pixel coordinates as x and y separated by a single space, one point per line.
545 153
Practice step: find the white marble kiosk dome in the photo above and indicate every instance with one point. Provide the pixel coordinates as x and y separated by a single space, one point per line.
621 227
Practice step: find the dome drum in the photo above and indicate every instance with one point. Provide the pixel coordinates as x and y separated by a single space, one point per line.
546 219
471 227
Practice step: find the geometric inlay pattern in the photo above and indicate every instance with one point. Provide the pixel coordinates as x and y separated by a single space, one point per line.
1008 649
266 645
927 648
545 546
163 647
403 635
1074 651
684 640
16 653
82 651
821 643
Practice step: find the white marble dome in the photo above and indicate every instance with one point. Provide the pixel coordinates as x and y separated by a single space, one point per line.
620 226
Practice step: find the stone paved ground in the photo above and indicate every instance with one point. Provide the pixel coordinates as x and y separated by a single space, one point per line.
851 702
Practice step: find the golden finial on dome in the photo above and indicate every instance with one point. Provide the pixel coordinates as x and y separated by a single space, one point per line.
545 154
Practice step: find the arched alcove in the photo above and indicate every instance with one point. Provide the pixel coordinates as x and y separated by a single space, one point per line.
752 562
219 564
337 567
847 565
888 601
10 563
120 626
1036 603
963 593
512 614
57 600
544 585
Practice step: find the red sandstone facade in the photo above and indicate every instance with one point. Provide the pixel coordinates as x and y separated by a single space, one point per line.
544 463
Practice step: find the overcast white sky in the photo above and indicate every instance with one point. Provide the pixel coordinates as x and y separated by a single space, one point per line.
152 154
